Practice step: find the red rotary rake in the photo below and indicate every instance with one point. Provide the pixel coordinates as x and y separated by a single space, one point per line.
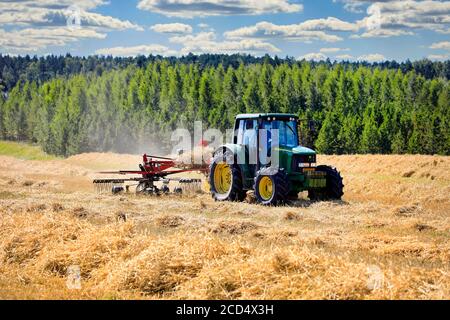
153 169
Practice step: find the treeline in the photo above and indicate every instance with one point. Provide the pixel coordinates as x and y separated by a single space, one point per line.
362 109
40 69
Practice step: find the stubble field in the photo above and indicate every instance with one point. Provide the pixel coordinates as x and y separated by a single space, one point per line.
388 238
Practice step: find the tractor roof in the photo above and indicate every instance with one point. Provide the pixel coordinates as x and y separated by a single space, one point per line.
263 115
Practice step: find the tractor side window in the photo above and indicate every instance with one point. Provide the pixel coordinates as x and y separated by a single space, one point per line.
287 132
250 140
250 133
247 132
240 134
266 144
291 134
280 125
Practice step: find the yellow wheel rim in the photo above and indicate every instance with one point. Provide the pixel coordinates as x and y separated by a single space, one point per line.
265 188
222 178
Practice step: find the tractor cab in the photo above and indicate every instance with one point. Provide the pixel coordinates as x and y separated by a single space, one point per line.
265 156
261 134
285 123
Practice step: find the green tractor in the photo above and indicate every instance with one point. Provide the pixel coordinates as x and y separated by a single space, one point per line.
248 163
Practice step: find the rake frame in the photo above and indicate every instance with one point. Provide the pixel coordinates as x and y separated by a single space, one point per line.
153 169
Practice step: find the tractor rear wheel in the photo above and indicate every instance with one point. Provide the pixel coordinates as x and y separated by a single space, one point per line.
225 178
271 186
334 189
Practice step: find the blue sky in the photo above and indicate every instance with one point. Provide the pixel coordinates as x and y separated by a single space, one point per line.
336 29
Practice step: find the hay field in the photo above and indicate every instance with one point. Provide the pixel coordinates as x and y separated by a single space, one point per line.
388 239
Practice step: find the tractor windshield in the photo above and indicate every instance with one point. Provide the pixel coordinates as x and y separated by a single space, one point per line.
287 132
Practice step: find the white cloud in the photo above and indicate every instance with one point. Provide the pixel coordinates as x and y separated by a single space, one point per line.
439 57
306 31
382 33
333 50
344 57
353 7
203 25
317 56
154 49
205 42
373 57
179 28
106 22
53 13
330 24
199 37
192 8
356 6
35 25
35 39
397 18
18 5
444 45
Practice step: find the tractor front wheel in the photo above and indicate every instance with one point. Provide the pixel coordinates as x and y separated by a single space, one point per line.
271 186
225 178
334 189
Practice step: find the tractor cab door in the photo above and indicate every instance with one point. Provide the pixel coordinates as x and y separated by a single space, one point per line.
276 134
267 141
247 135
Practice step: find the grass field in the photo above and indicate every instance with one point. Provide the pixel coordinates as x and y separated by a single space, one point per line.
23 151
389 238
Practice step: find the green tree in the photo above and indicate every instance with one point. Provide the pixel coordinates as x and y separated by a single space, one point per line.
327 141
370 137
205 99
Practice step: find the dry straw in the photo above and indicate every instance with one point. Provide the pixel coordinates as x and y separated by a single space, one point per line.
388 239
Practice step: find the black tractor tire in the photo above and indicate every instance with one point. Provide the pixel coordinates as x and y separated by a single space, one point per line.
293 195
165 189
178 190
334 189
280 186
236 192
